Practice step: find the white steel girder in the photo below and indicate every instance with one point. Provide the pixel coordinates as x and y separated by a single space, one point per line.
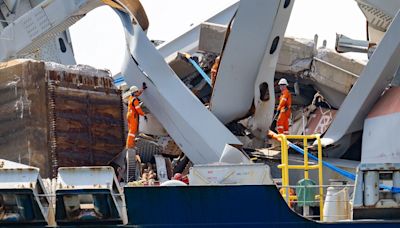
40 25
189 40
377 75
249 59
195 130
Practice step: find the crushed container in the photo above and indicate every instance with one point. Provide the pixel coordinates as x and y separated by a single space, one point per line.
54 116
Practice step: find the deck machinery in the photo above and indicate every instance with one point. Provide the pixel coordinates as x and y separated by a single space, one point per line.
24 199
89 195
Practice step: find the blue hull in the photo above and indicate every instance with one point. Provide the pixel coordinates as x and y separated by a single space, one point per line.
231 206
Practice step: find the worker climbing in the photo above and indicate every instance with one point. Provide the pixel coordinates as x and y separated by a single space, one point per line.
214 70
284 108
132 116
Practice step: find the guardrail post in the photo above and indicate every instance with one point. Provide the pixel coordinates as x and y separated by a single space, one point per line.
306 167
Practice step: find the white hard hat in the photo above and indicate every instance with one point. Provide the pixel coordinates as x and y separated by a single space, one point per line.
283 81
133 89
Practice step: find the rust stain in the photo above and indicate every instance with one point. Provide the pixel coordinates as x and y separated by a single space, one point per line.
84 124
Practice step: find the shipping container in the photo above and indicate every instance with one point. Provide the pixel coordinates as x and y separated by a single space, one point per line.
53 115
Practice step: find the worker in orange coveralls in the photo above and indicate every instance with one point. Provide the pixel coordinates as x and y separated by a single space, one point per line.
284 108
214 71
132 116
291 193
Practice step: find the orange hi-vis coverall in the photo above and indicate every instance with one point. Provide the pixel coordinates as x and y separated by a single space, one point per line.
284 108
134 110
214 71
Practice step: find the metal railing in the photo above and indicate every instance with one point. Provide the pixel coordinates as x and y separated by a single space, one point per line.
341 203
285 167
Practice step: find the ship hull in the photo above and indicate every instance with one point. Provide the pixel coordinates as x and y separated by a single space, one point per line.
233 206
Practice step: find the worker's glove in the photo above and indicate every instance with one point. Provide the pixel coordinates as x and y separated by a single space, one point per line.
145 118
144 86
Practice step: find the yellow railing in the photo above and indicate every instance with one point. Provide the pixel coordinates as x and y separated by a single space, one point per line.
306 167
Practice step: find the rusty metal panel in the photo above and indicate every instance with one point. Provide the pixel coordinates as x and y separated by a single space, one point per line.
57 116
23 126
87 116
